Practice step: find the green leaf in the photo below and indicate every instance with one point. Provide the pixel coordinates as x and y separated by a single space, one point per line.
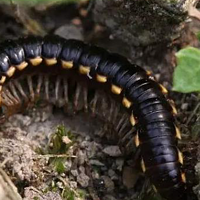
59 165
198 35
186 77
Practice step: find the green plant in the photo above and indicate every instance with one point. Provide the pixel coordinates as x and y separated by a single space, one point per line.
187 73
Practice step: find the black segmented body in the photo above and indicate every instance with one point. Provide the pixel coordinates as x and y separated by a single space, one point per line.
139 93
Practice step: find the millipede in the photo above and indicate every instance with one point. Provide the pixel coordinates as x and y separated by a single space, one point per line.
51 68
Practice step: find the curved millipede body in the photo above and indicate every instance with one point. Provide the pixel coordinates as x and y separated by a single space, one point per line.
144 99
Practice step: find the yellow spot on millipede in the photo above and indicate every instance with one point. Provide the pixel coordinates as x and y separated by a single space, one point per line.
22 65
84 69
183 177
11 71
180 157
137 141
132 120
3 79
35 61
67 64
164 90
126 102
101 78
174 110
143 165
148 72
115 89
178 133
50 61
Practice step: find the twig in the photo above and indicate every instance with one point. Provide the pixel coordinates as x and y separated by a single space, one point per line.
56 156
194 12
8 186
193 113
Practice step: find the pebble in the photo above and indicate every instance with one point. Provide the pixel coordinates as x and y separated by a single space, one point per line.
66 140
112 151
20 120
184 106
112 174
95 175
109 197
130 177
81 156
74 172
73 184
68 165
119 162
70 31
96 162
109 184
83 180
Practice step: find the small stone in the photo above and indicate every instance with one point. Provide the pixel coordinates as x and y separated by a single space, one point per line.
112 174
184 106
74 172
82 157
96 162
66 140
119 162
82 169
70 31
112 151
59 185
83 180
109 184
130 176
95 175
20 120
73 184
68 165
109 197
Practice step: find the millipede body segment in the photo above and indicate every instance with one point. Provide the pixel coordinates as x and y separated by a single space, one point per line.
143 98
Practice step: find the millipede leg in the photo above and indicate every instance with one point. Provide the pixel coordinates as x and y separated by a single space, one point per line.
85 98
39 84
30 85
46 83
76 96
14 92
66 95
20 89
57 92
93 103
